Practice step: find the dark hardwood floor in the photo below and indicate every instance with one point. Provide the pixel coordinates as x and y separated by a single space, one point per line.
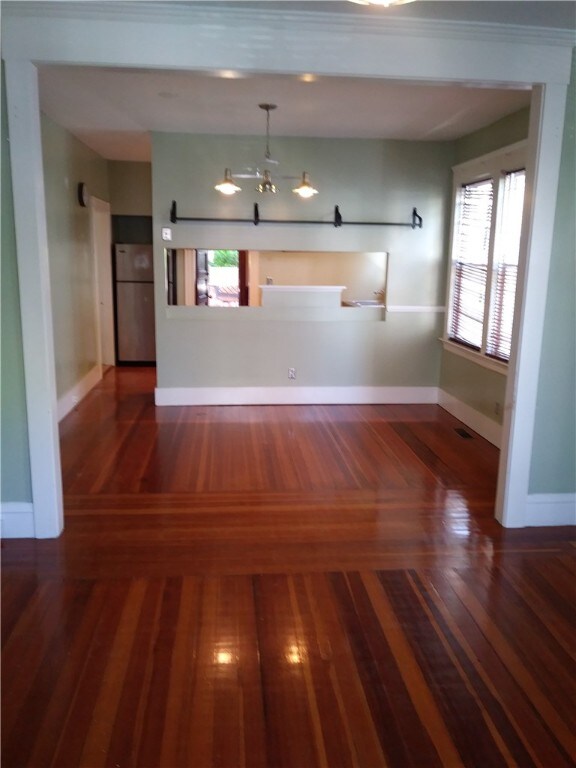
283 587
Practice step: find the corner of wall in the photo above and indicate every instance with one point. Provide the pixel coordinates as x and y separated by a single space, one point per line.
487 428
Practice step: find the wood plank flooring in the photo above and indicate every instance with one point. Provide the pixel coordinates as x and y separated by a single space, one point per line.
291 587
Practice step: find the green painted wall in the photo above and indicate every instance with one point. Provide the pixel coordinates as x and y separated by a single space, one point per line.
508 130
370 181
15 463
553 467
478 387
473 384
130 188
66 163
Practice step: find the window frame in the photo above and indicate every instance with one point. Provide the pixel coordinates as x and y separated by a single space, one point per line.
494 165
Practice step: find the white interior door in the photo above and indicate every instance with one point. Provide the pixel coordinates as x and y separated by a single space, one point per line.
102 249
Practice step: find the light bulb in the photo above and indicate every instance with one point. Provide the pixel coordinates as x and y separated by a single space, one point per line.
228 186
305 189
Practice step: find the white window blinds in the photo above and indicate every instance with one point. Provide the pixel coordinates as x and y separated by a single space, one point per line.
485 252
471 250
505 269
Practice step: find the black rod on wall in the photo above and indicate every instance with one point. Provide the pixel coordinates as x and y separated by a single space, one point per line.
338 221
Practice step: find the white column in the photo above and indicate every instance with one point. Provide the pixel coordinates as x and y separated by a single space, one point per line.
545 147
35 300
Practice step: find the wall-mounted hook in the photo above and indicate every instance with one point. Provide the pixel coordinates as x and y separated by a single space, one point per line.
416 219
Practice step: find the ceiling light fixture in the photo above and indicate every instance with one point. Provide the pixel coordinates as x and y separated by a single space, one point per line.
229 74
305 189
266 184
383 3
228 186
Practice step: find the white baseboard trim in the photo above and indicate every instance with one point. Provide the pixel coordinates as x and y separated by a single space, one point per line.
17 520
551 509
294 395
71 398
488 428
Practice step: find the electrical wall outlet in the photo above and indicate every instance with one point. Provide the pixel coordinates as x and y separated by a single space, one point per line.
291 373
166 233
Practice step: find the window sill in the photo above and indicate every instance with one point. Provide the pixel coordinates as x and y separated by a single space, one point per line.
475 357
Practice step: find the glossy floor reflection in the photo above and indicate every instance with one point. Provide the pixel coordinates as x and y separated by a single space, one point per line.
299 587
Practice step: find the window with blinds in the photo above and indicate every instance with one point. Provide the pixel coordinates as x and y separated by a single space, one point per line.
470 254
505 269
485 250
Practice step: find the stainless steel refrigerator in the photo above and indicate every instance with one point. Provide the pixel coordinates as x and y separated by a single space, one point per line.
134 296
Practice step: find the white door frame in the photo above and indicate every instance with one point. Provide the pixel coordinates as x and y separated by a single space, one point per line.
35 297
103 292
544 150
253 42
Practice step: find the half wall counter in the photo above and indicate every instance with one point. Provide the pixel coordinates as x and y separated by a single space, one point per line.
302 295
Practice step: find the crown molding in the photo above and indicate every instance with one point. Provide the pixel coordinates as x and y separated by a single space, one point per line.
206 14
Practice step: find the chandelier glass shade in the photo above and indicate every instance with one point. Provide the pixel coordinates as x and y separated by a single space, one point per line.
228 186
305 189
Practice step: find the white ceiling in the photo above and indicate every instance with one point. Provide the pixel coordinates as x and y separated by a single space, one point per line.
113 110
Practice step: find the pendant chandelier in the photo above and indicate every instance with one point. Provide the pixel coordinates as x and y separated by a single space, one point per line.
229 186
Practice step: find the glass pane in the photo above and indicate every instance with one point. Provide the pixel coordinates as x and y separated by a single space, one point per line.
472 240
507 250
470 254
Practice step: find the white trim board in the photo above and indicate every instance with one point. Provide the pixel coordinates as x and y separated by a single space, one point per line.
294 395
550 509
487 428
17 520
71 398
477 358
546 128
414 308
155 11
251 40
35 295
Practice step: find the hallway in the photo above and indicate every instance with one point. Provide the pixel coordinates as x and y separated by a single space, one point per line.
295 586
